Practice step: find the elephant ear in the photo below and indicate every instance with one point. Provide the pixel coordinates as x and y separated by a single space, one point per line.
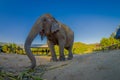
55 27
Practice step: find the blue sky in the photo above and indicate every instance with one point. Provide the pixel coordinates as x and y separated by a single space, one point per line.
90 20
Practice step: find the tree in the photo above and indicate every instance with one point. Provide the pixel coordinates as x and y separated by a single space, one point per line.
5 48
113 35
12 48
105 42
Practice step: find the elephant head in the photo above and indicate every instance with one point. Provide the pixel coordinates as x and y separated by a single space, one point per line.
44 26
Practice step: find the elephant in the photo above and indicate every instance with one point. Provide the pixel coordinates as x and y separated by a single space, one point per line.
55 32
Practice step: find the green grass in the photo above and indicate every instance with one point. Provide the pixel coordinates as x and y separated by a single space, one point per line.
25 75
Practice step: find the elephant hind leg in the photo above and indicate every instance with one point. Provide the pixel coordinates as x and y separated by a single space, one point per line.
62 58
70 55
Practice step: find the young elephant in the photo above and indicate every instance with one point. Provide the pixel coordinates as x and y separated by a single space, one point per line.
56 33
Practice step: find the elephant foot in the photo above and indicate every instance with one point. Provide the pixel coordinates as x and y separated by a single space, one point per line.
62 58
70 57
53 59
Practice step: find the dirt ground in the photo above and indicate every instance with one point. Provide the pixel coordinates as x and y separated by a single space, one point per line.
97 66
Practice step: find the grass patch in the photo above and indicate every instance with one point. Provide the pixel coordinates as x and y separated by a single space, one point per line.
25 75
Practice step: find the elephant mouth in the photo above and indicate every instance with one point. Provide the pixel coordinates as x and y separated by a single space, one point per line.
43 33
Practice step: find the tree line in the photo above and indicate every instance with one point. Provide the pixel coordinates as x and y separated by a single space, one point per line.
111 42
12 48
78 48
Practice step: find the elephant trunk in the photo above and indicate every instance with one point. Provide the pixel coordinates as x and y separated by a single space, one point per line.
33 33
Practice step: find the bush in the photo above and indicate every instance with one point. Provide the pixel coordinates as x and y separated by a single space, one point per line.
12 48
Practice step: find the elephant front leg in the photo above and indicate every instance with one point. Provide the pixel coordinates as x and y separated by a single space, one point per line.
51 46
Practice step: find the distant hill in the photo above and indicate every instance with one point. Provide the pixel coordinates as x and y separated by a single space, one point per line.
81 48
33 45
2 43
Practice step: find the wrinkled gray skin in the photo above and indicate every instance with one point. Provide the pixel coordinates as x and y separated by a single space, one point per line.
56 33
